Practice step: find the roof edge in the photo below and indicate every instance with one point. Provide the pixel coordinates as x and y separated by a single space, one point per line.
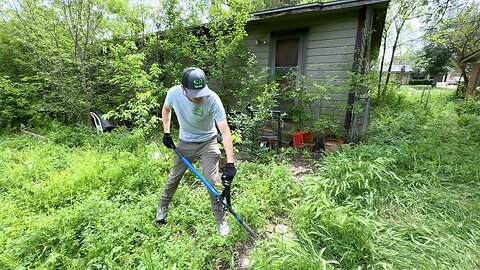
470 56
276 10
317 6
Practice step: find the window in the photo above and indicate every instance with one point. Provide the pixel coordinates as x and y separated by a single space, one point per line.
287 53
287 62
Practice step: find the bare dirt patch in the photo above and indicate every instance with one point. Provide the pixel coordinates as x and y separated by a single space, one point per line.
241 255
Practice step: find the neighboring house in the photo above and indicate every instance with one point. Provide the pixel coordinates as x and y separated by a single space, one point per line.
418 74
321 41
453 77
402 72
474 79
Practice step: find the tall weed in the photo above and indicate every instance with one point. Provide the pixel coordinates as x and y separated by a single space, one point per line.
406 198
90 205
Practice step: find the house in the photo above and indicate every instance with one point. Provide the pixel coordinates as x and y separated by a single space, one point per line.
474 79
407 74
320 41
402 72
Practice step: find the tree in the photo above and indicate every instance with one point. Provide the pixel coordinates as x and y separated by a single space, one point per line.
434 58
208 35
399 13
59 45
113 54
430 12
459 32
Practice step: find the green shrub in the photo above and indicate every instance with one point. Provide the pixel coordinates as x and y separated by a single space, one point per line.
15 103
468 106
421 82
390 98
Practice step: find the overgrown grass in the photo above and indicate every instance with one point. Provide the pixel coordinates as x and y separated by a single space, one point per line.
406 198
88 201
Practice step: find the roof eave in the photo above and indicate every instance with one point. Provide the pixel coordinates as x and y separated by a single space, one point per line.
471 56
313 7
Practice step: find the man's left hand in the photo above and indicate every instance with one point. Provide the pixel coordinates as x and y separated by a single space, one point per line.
228 173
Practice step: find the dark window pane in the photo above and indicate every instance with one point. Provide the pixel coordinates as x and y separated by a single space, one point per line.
287 52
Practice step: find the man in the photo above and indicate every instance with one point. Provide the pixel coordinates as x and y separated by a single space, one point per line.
197 109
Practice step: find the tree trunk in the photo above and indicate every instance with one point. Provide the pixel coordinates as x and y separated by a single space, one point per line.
387 80
463 69
381 64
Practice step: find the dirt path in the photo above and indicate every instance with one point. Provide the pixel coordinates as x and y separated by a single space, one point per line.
281 225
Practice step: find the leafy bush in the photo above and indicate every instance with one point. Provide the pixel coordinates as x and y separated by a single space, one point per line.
420 82
16 106
249 122
390 98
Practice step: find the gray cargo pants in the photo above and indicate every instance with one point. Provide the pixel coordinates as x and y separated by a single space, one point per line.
209 155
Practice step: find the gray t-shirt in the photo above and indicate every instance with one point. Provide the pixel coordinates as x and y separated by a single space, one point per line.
196 119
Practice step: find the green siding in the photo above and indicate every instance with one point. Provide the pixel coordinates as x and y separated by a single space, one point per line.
329 52
261 51
333 35
334 44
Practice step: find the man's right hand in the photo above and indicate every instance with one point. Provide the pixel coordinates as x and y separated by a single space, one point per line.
167 141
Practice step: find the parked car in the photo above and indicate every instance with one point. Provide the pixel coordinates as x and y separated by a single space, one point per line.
454 80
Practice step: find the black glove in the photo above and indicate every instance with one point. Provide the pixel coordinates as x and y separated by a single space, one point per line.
167 141
219 138
228 174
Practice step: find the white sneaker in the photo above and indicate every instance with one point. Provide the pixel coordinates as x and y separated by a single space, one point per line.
223 228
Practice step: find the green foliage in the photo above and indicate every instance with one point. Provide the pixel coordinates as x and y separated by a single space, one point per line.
434 58
66 64
224 54
137 86
391 97
421 82
307 99
89 203
271 4
391 197
78 199
468 106
458 31
16 108
249 122
310 105
58 48
291 253
468 118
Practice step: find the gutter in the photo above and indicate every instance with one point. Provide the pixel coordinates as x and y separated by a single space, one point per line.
313 7
468 57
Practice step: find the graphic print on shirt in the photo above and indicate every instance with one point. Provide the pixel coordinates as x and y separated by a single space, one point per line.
198 111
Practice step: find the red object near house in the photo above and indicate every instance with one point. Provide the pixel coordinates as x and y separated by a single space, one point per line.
298 139
307 137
